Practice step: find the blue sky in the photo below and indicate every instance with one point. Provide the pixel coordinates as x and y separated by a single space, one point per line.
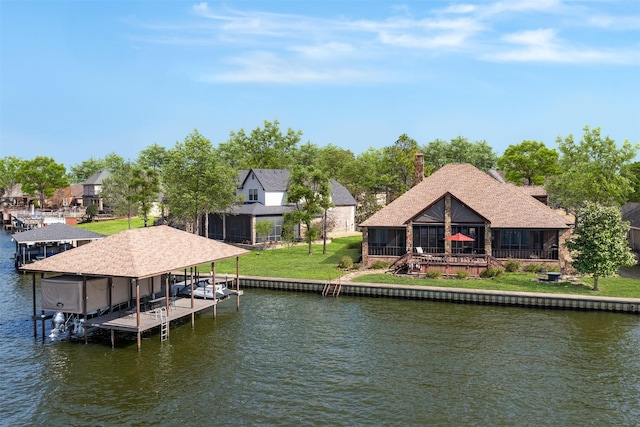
83 79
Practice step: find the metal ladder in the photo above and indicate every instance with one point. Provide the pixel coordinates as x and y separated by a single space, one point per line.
164 324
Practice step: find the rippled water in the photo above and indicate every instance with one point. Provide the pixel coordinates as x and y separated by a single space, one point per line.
299 359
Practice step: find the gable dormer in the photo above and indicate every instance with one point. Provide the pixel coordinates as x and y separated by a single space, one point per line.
264 186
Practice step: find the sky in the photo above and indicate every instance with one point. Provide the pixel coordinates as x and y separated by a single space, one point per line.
82 79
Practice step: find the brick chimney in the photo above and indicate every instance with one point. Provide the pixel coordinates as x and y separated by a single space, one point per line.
418 174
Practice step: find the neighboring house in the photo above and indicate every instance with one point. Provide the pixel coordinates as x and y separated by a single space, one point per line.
15 197
503 220
631 213
92 188
265 199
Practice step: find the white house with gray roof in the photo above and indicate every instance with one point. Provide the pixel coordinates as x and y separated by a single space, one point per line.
265 199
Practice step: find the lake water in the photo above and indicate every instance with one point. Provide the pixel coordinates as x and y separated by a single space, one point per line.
291 359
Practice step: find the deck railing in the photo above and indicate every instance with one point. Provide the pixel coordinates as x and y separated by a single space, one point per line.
525 254
387 250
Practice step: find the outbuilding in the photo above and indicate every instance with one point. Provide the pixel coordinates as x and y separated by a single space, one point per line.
122 282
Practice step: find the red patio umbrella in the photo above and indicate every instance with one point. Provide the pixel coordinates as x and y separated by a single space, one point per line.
459 237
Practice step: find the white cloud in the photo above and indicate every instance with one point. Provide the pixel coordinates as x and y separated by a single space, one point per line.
460 8
543 45
264 67
423 42
325 50
297 47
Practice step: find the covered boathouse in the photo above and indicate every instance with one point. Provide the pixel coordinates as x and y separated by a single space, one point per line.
120 283
42 242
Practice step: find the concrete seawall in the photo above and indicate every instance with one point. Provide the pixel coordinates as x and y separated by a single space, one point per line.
456 295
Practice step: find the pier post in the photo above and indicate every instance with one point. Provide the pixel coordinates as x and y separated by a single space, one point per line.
237 283
35 324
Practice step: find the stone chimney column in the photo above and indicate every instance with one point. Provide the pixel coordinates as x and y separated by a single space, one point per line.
418 174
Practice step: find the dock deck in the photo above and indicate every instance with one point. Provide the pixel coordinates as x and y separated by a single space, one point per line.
126 321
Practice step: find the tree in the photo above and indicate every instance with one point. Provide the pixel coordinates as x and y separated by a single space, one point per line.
400 165
263 229
438 153
529 162
41 176
306 155
144 189
153 157
368 182
266 148
591 171
632 172
599 246
289 228
9 170
112 162
91 212
196 182
117 193
310 190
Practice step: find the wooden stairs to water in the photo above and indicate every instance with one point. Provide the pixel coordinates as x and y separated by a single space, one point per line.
332 288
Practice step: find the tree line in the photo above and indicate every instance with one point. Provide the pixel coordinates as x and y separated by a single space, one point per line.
195 177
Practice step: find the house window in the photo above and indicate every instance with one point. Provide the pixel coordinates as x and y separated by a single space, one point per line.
253 194
515 239
387 241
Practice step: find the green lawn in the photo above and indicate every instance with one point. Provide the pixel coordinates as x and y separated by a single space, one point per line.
519 282
113 226
295 263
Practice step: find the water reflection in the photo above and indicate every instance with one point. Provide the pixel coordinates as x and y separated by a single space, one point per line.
300 359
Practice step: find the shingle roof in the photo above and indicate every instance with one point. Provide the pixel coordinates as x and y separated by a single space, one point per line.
631 213
270 179
278 180
504 205
97 177
257 209
340 196
138 253
55 233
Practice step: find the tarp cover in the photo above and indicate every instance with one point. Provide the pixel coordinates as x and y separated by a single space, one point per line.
64 293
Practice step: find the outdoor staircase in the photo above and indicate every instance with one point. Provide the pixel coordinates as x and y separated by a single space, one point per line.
332 288
494 262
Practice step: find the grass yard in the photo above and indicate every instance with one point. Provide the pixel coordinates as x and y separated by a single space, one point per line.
113 226
519 282
295 263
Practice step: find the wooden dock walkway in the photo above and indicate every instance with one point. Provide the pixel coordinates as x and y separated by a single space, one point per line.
126 321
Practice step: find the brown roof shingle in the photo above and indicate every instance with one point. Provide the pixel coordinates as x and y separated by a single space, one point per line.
138 253
504 205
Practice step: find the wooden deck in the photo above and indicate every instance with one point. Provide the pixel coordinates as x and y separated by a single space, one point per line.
126 320
447 264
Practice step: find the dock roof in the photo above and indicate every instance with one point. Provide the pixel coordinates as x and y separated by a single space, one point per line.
57 232
138 253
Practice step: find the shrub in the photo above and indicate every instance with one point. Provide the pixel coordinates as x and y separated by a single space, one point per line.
512 265
491 272
533 268
462 274
553 268
433 275
345 262
355 245
379 265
